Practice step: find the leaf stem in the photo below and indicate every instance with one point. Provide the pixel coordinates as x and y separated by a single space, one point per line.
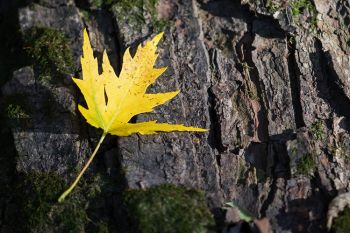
63 195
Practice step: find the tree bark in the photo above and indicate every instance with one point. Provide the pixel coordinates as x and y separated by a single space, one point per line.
269 79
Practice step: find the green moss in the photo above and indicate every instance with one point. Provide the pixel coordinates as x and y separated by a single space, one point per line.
291 40
332 150
253 95
107 4
169 209
97 3
158 24
133 12
85 14
35 206
242 169
41 192
294 151
71 217
317 130
273 5
16 108
14 111
50 52
102 227
306 165
342 222
299 7
245 67
340 148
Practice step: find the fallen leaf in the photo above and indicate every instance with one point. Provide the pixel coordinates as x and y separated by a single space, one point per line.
112 101
126 94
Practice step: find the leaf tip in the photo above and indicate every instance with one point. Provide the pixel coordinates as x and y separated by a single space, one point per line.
86 36
157 38
199 129
161 34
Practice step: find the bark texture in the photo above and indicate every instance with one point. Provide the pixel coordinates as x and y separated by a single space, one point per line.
269 79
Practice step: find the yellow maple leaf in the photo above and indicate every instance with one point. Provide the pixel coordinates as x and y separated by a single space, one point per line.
126 94
112 101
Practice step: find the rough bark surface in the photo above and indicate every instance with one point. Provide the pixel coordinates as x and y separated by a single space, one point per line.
272 87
